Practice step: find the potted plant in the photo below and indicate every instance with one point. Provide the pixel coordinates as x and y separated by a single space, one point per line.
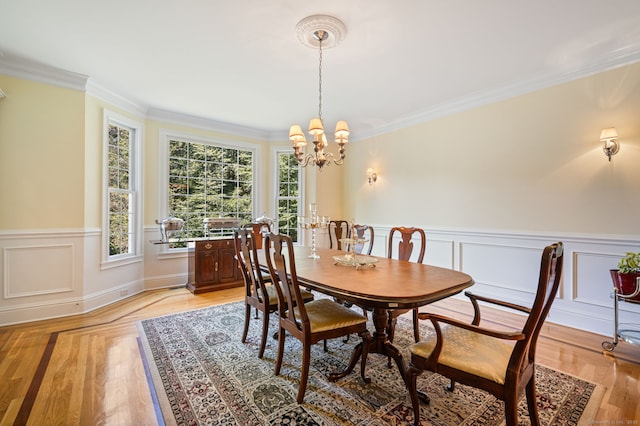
625 278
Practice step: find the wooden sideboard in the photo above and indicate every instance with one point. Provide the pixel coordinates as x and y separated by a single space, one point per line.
213 266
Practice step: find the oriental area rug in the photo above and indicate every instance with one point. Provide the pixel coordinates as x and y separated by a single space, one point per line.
202 374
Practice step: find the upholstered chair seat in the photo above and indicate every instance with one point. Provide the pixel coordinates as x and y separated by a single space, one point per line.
465 350
325 314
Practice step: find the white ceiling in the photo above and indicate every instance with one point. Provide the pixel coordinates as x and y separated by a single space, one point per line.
402 61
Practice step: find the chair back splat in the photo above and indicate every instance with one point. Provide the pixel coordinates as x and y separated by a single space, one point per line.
257 294
259 230
338 229
406 245
497 361
289 291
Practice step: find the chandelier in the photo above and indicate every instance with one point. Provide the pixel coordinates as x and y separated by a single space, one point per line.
318 30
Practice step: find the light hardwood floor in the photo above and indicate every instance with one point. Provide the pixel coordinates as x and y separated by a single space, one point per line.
87 369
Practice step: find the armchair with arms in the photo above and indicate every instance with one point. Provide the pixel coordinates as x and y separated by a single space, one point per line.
499 362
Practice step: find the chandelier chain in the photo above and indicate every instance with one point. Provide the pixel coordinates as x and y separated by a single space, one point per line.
320 81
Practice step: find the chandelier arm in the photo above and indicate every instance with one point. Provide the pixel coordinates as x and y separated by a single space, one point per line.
305 161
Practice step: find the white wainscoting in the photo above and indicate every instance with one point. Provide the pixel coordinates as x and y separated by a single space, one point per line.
48 274
32 270
506 265
163 268
56 273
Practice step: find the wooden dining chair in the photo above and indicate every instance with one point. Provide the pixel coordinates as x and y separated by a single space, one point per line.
310 322
338 229
499 362
362 232
259 293
404 252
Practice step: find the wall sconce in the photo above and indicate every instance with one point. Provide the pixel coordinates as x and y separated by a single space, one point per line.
372 176
609 139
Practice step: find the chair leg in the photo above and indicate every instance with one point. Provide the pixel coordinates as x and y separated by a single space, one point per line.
247 315
416 325
265 331
280 351
304 375
531 401
511 409
326 349
391 332
411 377
451 386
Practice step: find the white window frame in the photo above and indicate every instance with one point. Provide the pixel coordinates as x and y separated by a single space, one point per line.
135 181
165 135
275 151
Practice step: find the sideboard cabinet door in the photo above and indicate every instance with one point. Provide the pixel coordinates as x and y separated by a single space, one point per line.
213 266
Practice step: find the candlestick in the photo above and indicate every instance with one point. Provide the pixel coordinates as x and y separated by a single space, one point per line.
313 223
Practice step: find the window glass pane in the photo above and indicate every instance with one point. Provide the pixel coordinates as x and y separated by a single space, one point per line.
120 189
209 181
124 179
288 197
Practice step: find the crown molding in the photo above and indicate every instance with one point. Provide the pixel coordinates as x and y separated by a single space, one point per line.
101 92
206 124
503 92
32 70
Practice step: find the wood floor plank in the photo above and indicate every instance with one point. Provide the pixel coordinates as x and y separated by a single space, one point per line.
87 369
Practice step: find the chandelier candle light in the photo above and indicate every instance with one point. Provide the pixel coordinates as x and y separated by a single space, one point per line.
318 30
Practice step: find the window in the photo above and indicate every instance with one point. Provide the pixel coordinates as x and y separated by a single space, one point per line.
288 193
121 218
207 179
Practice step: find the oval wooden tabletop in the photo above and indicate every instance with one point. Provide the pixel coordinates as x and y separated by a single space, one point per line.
390 284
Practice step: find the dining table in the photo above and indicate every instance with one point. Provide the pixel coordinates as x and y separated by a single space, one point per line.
377 284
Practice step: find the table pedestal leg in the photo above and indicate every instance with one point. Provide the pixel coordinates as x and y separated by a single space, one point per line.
379 344
360 351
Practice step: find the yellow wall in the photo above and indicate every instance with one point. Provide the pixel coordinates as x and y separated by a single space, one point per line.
531 163
41 156
51 157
